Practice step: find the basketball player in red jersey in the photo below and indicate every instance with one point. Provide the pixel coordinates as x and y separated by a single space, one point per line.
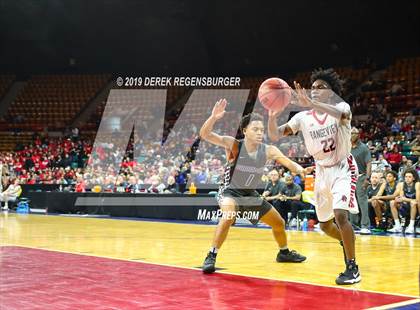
326 131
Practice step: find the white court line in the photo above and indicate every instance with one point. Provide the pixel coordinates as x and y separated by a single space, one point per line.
397 304
221 272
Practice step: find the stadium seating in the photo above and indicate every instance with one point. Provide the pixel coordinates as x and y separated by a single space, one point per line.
51 100
5 82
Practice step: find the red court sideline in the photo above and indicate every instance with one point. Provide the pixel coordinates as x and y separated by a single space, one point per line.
40 279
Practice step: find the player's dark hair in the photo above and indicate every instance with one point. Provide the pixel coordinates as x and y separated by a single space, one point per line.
394 174
249 118
413 172
329 76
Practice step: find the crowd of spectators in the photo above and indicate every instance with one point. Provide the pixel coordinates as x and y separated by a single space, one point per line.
67 161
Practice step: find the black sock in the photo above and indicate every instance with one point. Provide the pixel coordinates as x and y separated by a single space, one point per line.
344 251
351 263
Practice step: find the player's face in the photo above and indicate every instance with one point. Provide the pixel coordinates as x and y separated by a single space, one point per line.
289 180
409 178
321 91
374 179
254 131
390 178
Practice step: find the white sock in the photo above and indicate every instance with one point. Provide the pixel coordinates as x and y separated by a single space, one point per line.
411 223
397 223
214 250
6 204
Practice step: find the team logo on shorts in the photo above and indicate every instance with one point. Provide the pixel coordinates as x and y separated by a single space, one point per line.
344 198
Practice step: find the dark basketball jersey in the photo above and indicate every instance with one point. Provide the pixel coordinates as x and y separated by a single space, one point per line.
389 190
244 172
409 191
373 191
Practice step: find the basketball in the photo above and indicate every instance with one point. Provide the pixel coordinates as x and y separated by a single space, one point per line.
274 94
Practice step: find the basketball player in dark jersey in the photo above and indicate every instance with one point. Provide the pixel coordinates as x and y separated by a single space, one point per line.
386 189
406 195
245 166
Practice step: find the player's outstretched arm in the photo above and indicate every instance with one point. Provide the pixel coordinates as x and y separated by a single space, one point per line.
206 131
274 132
332 110
273 153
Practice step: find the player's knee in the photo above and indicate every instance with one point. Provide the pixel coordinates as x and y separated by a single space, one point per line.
413 204
341 217
282 223
325 227
278 224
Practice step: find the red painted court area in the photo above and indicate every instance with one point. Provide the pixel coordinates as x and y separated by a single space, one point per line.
40 279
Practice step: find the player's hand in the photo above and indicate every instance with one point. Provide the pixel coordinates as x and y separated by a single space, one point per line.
303 99
365 184
265 194
274 114
308 170
399 199
219 109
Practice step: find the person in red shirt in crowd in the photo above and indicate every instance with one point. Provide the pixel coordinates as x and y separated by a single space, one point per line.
394 158
69 174
18 167
80 185
44 164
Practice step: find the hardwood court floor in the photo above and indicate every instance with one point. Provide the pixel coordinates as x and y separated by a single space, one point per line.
388 264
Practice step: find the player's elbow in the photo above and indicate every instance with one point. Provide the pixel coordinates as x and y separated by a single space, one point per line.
203 134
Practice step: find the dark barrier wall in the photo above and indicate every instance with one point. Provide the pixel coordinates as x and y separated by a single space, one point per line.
26 188
165 206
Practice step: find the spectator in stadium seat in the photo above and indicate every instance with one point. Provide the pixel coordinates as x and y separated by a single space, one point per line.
120 184
380 163
109 184
132 186
405 164
391 143
201 176
29 163
272 192
170 186
394 158
290 199
80 185
396 89
11 193
157 186
396 127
